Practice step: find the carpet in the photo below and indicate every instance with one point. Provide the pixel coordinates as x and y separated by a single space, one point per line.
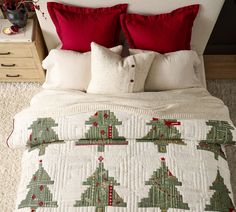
13 98
16 96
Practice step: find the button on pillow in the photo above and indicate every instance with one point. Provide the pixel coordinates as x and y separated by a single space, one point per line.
175 70
110 73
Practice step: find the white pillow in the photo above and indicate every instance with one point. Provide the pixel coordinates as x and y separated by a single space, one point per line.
113 74
69 69
173 70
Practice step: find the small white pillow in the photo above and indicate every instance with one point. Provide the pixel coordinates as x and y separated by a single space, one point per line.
113 74
69 69
171 71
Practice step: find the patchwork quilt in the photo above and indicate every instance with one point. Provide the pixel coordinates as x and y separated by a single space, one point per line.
111 157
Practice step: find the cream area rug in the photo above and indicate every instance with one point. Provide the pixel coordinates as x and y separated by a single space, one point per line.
16 96
13 98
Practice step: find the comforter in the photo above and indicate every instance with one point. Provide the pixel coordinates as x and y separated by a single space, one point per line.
132 152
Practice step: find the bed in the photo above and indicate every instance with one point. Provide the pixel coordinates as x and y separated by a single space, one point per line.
128 151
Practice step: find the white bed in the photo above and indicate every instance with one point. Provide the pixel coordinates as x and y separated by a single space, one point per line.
147 151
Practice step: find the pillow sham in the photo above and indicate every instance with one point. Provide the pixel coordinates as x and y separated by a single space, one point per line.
110 73
77 27
161 33
171 71
68 69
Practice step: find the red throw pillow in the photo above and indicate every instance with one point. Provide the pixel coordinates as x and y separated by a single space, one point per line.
161 33
77 27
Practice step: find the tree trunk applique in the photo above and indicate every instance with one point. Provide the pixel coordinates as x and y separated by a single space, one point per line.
163 193
42 135
163 133
39 194
101 192
219 134
103 131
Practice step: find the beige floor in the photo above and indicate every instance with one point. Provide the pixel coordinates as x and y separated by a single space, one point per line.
14 97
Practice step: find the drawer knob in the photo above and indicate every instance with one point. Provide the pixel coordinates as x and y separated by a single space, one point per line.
9 75
8 65
5 53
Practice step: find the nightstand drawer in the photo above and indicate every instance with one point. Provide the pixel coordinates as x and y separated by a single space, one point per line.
19 75
21 54
17 63
11 50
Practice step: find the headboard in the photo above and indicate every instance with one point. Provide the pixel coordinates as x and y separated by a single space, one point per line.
203 25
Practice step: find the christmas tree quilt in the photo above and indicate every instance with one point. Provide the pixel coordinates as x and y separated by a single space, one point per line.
110 158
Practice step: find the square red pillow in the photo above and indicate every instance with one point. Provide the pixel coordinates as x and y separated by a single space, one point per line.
77 27
161 33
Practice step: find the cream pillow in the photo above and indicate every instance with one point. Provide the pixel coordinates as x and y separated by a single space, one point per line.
69 69
171 71
113 74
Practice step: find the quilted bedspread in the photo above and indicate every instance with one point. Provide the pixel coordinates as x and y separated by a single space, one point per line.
128 153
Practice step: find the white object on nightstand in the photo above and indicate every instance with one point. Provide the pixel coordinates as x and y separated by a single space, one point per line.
24 34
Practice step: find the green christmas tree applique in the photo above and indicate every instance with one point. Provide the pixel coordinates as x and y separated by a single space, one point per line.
101 192
39 194
103 131
162 133
42 134
220 201
220 133
163 193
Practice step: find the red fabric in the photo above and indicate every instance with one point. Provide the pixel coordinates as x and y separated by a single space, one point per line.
171 123
161 33
77 27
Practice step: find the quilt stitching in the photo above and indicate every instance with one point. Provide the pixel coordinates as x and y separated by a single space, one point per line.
101 192
103 131
220 133
163 192
220 201
39 194
42 135
163 133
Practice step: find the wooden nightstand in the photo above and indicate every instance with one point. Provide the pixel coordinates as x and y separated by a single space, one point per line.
21 54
